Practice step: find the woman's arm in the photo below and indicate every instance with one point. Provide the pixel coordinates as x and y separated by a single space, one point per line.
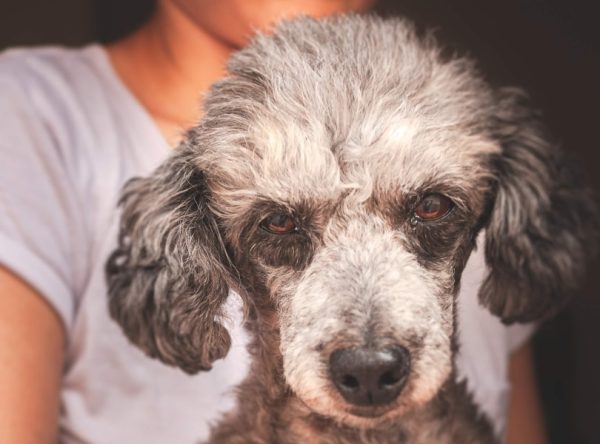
525 419
31 361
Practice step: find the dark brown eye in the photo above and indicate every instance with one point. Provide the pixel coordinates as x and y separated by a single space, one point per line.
279 223
433 207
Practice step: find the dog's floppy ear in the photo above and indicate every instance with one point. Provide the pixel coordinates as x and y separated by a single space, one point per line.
541 230
168 277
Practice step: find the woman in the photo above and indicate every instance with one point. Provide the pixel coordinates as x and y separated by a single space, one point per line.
76 125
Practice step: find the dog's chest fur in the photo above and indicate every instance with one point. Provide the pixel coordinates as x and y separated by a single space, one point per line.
450 418
269 413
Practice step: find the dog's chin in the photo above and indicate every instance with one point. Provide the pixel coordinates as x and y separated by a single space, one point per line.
362 417
371 417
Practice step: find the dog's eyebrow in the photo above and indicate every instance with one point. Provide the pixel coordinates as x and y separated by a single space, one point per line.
304 209
400 196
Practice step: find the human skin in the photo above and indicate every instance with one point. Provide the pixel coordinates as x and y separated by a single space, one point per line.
167 64
183 49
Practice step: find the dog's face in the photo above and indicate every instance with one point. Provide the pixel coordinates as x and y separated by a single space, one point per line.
363 255
358 219
344 170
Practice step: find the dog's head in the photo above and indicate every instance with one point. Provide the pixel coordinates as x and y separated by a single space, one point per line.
345 169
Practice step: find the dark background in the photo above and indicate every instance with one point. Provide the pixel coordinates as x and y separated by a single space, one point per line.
549 47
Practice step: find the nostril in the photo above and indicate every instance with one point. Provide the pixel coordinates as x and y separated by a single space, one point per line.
389 379
350 382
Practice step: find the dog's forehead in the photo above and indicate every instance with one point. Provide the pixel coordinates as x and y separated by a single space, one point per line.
313 113
289 157
401 153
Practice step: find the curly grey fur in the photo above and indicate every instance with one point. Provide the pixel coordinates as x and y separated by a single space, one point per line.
543 228
345 124
167 278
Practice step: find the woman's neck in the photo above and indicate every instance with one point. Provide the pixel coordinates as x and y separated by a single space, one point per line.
168 64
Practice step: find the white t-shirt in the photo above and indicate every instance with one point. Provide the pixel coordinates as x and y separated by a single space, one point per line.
71 134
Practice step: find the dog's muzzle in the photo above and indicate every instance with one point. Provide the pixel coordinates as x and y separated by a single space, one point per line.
366 376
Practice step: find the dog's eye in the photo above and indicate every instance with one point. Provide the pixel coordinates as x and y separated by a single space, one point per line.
279 223
433 207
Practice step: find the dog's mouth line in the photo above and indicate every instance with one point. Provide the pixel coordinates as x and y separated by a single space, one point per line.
363 412
372 412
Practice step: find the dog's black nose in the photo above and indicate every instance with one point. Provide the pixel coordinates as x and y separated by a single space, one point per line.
368 376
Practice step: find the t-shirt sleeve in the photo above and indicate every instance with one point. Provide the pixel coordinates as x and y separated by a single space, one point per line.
37 202
519 334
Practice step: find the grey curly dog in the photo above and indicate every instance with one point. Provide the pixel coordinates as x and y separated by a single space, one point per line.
338 181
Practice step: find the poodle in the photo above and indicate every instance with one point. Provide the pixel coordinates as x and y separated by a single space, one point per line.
337 182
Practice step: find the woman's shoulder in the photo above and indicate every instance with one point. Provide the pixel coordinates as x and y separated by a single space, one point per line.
54 54
50 67
58 81
70 136
54 85
75 96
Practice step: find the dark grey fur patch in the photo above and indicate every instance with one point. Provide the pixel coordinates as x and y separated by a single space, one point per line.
168 278
543 227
